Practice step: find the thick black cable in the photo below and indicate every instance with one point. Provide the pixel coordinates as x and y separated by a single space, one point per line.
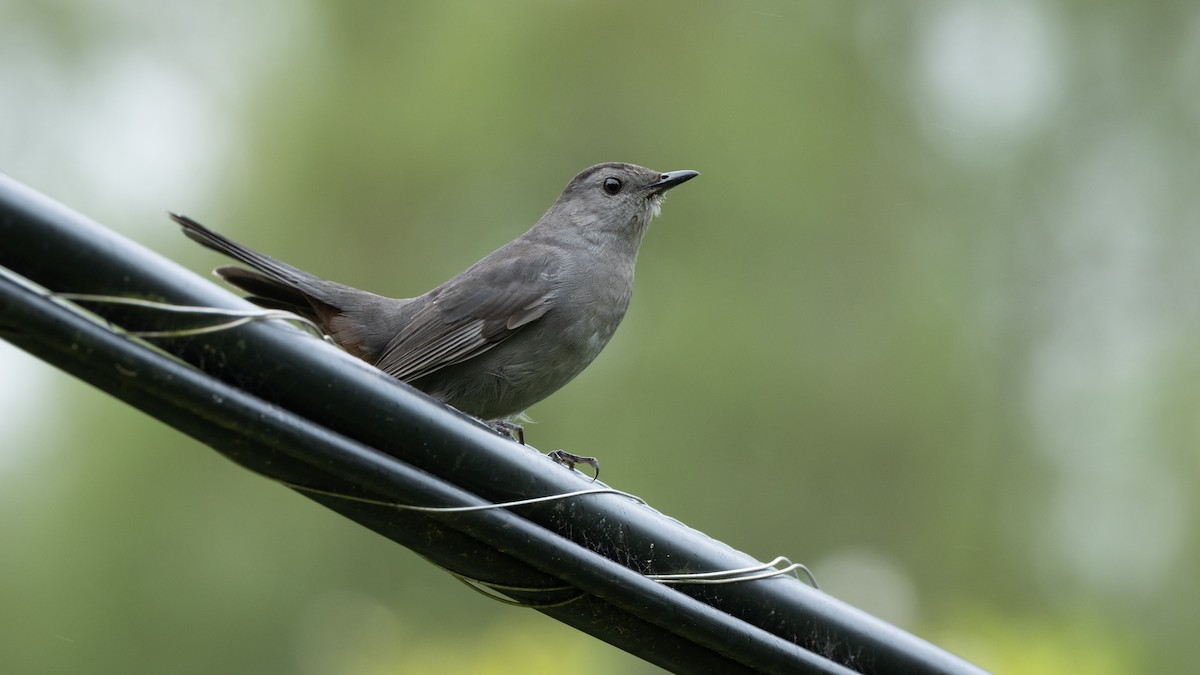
184 398
64 251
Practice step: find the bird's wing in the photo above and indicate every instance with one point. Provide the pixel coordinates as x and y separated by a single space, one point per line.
470 314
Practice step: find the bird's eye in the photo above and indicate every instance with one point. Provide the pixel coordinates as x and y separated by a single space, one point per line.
612 186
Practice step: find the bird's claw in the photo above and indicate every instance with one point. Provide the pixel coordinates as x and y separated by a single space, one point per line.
569 460
510 429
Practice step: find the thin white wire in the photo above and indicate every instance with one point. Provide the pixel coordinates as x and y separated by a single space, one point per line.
466 509
760 571
239 316
753 573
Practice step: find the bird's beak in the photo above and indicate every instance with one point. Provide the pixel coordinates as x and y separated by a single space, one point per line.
669 180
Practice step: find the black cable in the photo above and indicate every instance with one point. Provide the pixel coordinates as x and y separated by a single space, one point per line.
336 397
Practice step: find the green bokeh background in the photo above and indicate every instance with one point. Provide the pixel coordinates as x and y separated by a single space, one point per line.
928 322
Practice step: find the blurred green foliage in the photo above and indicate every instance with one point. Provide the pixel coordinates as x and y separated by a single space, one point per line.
927 321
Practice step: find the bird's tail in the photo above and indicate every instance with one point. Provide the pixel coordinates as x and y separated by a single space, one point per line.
272 283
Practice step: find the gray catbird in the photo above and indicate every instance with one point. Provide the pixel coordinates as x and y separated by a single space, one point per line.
512 328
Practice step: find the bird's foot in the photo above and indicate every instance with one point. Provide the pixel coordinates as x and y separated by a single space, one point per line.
569 460
509 429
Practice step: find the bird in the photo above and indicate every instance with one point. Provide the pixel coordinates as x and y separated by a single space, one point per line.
506 332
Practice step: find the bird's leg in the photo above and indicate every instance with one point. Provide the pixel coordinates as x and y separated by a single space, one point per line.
569 460
510 429
516 432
